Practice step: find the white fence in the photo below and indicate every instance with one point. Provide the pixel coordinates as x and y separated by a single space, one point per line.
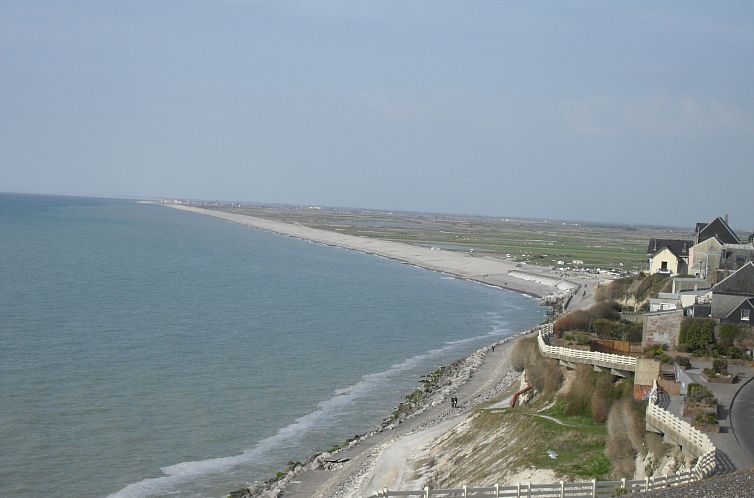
588 489
694 441
606 360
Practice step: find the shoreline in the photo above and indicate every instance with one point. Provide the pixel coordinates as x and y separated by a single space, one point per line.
345 471
348 471
486 270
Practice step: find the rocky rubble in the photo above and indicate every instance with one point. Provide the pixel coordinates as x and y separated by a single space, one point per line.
431 394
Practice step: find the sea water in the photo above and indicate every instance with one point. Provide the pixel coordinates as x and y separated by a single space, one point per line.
146 351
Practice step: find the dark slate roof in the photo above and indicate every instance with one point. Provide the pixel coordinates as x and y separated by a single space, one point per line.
741 282
677 246
700 226
718 229
735 315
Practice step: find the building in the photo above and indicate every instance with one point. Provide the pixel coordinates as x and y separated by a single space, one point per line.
717 228
704 257
668 256
733 297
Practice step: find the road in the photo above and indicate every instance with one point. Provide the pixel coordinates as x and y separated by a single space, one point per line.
742 418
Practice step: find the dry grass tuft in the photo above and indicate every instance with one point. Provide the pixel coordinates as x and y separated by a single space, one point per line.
625 429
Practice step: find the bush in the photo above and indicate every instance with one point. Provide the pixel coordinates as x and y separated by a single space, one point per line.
697 333
682 361
729 333
699 394
542 373
720 366
583 319
706 418
522 351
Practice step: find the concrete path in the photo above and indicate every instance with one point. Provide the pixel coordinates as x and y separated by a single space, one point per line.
735 441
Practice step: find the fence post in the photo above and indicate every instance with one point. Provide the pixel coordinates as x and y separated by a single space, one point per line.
426 491
594 488
497 491
562 489
623 483
666 481
528 489
518 490
646 484
465 492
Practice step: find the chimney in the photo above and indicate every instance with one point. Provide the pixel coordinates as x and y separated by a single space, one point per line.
726 218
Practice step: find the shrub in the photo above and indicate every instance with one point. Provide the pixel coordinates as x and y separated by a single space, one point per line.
578 397
521 352
699 394
697 333
542 373
729 333
583 339
683 361
720 366
583 319
706 418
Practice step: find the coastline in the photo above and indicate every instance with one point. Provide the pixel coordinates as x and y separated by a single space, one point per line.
487 270
357 467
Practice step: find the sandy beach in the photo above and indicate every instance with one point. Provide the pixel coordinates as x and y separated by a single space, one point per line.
535 281
387 457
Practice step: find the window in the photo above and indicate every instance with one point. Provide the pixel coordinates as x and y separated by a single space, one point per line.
664 266
745 315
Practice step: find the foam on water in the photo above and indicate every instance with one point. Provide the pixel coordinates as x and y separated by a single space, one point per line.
220 355
327 410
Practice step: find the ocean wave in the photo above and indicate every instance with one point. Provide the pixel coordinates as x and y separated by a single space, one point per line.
327 410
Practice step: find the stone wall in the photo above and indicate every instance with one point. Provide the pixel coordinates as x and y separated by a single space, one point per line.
662 327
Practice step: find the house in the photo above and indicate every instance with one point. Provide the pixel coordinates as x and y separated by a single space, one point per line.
668 256
704 257
743 314
717 228
733 297
735 256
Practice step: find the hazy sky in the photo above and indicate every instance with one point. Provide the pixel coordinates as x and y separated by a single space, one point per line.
605 111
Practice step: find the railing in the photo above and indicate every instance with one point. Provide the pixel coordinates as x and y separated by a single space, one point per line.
606 360
587 489
693 440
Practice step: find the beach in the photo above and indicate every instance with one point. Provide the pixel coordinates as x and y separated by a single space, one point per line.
387 457
538 282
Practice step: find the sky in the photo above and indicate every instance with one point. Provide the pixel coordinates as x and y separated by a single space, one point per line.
630 112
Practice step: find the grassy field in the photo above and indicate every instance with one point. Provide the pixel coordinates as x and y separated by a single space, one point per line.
541 242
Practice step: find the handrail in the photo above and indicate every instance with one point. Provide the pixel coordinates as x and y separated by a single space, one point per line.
606 360
696 442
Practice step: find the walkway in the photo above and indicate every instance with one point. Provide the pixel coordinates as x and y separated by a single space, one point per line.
735 441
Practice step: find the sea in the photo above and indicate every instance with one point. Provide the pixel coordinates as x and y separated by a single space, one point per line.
146 351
